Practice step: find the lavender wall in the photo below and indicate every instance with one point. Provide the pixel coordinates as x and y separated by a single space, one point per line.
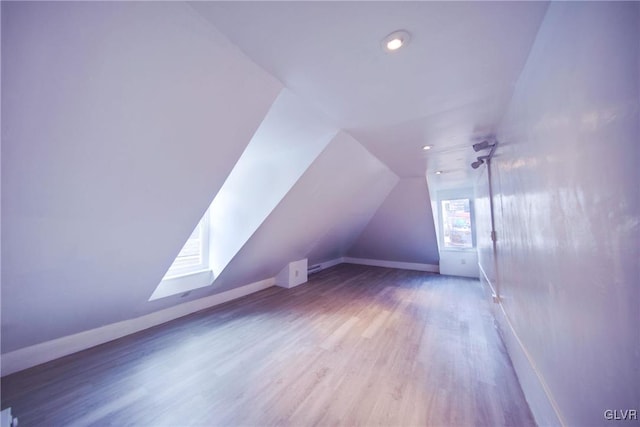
345 183
288 141
568 214
120 122
402 229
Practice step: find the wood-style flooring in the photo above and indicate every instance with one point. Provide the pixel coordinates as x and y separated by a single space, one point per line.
354 346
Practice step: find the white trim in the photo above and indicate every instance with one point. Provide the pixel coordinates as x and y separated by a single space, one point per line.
393 264
540 399
44 352
184 283
37 354
493 291
203 265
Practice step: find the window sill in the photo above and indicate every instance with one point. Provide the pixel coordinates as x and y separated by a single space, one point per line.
183 283
185 275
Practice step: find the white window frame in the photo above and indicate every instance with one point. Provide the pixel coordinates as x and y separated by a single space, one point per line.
456 196
204 253
181 281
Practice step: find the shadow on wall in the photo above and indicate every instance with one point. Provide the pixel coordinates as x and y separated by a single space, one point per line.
402 229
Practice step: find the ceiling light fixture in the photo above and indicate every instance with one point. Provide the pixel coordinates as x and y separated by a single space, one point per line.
427 147
438 172
395 41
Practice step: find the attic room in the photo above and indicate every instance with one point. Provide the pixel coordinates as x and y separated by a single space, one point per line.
320 213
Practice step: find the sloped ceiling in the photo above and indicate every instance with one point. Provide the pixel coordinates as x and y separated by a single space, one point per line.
402 229
122 121
449 85
118 128
290 138
345 180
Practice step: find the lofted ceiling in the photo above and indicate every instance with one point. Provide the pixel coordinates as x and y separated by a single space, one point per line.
448 87
170 95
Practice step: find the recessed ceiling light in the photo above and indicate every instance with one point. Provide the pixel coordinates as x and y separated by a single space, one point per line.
438 172
427 147
395 43
395 40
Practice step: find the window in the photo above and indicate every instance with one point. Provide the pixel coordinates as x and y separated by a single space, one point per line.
194 256
457 230
190 270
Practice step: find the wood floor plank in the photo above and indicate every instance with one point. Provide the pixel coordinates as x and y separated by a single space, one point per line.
356 346
335 337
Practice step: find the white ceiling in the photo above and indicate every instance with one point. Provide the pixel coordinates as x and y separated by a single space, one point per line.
448 86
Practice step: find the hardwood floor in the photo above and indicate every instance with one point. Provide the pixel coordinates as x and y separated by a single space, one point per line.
354 346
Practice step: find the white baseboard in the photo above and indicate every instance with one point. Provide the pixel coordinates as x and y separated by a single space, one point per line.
37 354
541 402
393 264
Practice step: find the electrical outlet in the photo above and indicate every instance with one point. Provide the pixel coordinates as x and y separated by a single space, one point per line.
297 273
463 261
